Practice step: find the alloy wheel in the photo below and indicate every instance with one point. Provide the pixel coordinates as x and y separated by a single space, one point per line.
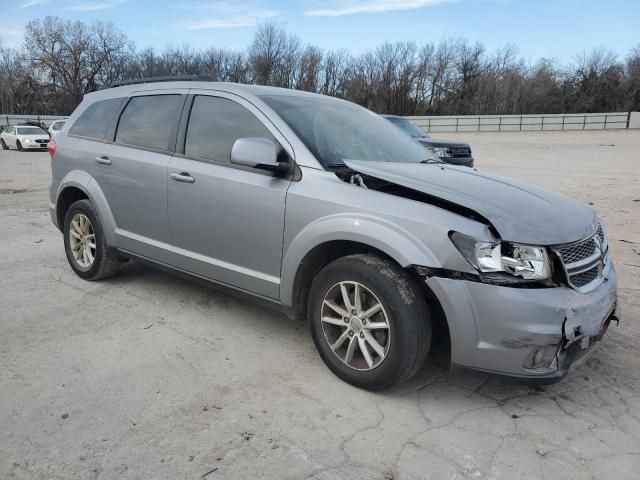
355 325
82 240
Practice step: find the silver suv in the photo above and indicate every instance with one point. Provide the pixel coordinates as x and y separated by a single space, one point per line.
323 209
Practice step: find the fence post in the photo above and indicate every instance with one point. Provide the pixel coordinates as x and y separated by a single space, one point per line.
500 123
563 123
429 127
584 121
542 124
478 123
606 115
628 119
457 119
520 122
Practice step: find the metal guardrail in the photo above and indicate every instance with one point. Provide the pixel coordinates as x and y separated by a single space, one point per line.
10 119
515 123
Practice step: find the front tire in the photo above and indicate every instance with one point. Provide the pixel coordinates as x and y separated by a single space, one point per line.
87 251
19 145
369 321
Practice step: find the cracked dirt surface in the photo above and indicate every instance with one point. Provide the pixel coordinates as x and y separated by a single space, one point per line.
150 376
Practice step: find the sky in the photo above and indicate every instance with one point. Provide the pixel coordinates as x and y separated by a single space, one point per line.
557 29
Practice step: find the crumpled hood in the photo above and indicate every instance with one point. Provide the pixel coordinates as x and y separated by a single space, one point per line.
520 212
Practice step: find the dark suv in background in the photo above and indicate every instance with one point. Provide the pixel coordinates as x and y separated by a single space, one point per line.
455 153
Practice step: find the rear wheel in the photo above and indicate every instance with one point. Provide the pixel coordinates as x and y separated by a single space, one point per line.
369 322
85 245
4 145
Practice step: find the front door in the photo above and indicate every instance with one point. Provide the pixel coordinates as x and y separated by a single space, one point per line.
226 221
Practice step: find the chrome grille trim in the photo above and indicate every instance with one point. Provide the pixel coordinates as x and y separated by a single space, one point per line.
584 261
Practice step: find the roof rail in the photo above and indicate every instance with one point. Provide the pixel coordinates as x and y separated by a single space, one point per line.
176 78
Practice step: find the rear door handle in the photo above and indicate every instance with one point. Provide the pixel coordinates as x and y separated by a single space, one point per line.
182 177
104 160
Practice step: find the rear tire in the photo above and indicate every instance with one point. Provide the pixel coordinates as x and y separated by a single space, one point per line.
87 251
395 352
4 145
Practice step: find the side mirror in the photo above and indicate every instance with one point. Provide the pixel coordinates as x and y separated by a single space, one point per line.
257 153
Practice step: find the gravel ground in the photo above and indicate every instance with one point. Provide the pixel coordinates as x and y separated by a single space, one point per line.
150 376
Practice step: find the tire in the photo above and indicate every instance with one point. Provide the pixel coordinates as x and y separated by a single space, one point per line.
104 262
19 146
404 343
4 145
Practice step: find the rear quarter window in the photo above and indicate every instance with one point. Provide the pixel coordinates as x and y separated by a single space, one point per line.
96 119
148 121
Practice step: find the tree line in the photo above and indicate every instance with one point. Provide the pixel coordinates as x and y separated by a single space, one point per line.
61 60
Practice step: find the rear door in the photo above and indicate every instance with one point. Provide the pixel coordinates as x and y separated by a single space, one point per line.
226 221
131 169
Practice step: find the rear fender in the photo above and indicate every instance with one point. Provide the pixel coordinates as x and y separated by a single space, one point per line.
83 181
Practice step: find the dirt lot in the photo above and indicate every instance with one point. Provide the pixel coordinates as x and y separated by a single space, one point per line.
150 376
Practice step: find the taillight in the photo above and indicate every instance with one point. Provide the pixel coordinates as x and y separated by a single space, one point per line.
52 147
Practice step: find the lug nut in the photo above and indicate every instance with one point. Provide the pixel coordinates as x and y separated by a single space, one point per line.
351 333
364 321
361 335
346 319
353 312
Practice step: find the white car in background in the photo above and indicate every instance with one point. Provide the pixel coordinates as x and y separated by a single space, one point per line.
55 127
24 137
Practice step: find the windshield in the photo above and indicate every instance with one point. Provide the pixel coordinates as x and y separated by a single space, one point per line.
30 131
335 131
408 127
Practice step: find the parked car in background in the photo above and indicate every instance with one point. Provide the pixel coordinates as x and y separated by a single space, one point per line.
448 151
55 127
379 247
24 137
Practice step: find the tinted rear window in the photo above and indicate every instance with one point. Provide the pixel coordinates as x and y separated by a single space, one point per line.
96 119
215 124
148 121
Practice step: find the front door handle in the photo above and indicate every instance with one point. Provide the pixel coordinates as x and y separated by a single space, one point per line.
103 160
182 177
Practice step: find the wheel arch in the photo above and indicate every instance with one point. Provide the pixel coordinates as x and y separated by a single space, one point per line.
77 185
328 239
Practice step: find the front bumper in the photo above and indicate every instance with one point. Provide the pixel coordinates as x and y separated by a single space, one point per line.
35 146
537 335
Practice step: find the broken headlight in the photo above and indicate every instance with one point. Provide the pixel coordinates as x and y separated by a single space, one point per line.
528 262
440 151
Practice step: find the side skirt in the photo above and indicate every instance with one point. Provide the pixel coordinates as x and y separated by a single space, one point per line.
239 293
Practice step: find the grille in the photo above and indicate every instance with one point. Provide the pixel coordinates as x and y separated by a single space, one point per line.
584 261
460 152
42 140
578 251
584 278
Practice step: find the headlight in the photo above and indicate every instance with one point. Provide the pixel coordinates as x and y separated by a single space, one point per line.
440 151
528 262
25 140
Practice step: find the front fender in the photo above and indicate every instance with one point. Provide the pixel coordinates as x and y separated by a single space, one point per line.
378 233
85 182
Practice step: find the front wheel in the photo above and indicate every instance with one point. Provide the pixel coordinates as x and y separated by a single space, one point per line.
19 145
369 321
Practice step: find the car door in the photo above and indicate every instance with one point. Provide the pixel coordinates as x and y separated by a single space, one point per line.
11 137
131 169
226 221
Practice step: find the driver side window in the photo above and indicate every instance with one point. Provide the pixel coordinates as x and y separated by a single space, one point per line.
215 123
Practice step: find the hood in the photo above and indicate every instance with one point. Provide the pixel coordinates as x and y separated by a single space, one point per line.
520 212
33 136
432 142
